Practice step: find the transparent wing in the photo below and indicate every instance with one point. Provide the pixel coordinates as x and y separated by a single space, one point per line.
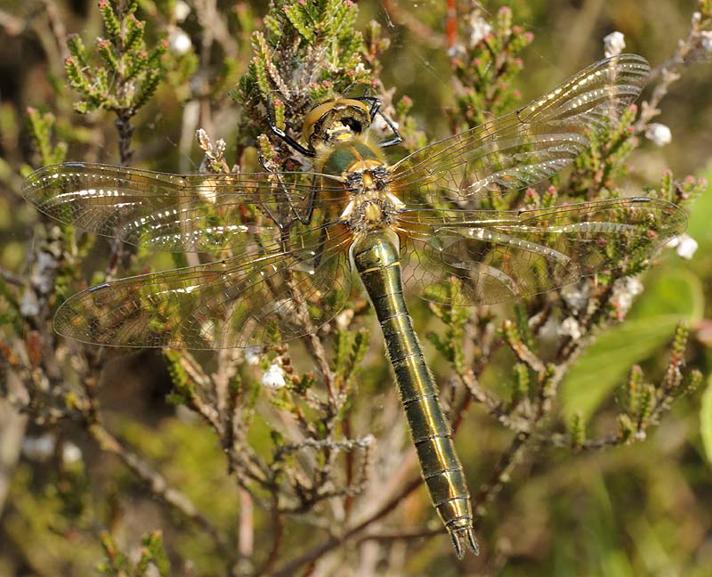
174 212
235 302
500 256
526 146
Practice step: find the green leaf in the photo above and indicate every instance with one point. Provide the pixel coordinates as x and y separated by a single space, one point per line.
672 298
699 223
296 16
675 292
706 421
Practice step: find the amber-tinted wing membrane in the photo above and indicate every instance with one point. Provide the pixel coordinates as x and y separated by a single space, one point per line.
236 302
500 256
526 146
174 212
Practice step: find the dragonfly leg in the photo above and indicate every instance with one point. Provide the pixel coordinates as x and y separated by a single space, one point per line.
374 101
376 109
273 217
294 212
321 247
306 219
279 133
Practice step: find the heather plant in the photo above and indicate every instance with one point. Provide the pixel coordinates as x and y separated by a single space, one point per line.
294 459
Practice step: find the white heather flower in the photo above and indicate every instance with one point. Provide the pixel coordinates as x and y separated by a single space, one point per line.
39 448
40 276
685 246
181 11
624 291
613 44
550 329
71 453
576 295
571 328
659 134
457 50
380 125
42 448
706 40
29 305
179 41
479 28
274 377
252 355
344 318
366 441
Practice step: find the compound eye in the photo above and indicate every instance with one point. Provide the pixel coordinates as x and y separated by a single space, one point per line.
352 124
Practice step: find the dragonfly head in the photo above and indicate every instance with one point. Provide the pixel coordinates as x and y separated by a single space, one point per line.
336 120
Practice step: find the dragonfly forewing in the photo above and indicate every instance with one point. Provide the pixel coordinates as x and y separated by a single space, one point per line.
520 149
177 212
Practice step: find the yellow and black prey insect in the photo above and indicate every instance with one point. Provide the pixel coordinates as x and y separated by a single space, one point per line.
293 240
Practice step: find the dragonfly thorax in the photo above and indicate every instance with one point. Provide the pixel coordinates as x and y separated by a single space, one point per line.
372 205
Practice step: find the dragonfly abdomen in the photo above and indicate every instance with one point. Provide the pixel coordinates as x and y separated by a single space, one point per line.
376 257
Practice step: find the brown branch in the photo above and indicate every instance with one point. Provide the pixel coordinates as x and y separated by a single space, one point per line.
12 278
208 412
668 73
520 349
315 346
563 441
156 484
501 474
277 540
288 569
492 404
12 25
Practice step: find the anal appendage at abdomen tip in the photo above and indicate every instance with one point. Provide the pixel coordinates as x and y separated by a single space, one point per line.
463 538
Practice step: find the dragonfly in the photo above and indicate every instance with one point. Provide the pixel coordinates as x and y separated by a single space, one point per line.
287 243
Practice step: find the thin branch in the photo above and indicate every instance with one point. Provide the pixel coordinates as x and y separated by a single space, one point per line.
277 540
494 406
501 474
288 569
12 25
12 278
157 484
523 352
668 73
